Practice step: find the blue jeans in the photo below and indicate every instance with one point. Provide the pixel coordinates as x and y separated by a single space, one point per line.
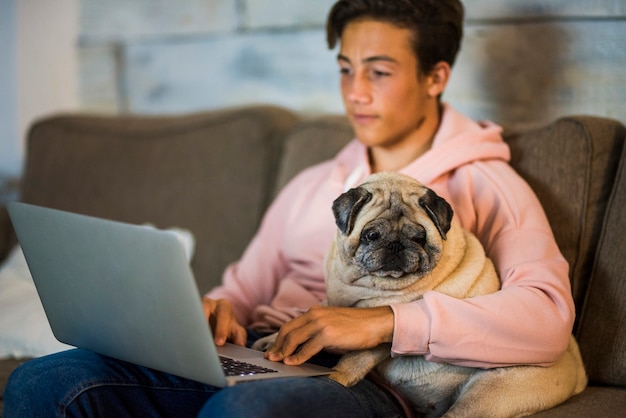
80 383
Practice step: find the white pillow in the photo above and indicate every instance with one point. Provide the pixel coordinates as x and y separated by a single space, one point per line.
24 328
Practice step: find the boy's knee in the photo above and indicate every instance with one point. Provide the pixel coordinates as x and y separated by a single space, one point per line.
41 384
25 388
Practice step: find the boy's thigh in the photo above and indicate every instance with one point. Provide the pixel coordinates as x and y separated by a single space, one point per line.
301 397
88 384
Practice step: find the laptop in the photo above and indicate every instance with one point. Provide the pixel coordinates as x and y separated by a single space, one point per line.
128 292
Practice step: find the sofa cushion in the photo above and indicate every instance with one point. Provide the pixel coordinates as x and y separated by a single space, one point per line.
602 333
594 401
570 164
310 142
174 171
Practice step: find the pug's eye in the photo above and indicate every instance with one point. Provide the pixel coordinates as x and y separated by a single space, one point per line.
371 236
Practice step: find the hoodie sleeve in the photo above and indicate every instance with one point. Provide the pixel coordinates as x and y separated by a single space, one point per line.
529 321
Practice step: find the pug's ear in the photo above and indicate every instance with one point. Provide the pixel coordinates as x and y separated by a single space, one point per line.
438 210
347 206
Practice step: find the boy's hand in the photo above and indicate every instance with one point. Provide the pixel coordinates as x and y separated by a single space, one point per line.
331 328
221 317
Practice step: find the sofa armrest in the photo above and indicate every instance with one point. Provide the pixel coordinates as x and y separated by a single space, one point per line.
602 332
7 235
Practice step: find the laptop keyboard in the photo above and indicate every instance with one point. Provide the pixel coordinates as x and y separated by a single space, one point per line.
239 368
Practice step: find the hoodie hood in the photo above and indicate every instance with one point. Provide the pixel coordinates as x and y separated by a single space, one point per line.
458 141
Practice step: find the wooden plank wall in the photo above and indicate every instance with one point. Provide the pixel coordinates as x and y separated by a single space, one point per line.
526 62
522 62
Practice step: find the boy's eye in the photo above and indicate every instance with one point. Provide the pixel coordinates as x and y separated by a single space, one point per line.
378 73
343 70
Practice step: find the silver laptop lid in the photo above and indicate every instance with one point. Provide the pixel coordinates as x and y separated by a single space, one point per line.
118 289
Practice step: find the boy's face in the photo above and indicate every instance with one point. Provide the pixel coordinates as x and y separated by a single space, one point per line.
387 102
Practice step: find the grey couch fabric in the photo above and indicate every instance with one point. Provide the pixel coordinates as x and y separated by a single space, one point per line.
602 331
215 173
211 173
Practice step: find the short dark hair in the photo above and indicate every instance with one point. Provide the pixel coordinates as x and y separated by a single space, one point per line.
437 25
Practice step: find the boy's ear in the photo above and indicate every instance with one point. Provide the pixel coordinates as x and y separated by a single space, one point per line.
438 78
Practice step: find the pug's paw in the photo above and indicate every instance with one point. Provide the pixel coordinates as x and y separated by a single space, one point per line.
265 343
344 379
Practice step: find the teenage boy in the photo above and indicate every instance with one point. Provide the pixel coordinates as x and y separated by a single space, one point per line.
395 59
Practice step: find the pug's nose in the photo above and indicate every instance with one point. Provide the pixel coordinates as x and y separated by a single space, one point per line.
395 247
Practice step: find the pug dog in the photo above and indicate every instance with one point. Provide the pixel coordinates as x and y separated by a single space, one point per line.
396 240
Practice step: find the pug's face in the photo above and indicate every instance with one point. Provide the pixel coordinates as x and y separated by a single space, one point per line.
391 226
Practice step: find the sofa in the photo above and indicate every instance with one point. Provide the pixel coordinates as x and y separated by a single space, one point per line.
215 172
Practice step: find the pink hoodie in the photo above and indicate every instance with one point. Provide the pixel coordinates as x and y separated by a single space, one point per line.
281 273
